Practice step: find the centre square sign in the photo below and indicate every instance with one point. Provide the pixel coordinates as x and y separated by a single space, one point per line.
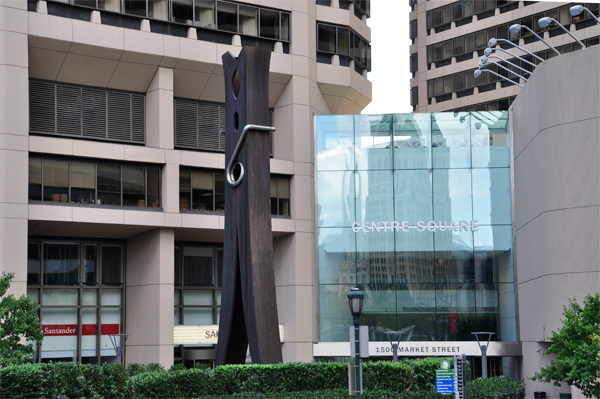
420 226
420 349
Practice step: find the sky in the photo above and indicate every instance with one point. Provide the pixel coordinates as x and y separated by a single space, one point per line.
390 54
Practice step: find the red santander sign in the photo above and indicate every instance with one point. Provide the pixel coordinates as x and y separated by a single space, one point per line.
60 330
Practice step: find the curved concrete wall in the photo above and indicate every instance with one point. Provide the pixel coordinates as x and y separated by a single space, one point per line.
556 129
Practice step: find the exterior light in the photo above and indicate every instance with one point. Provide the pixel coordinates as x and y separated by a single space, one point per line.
478 74
482 65
494 41
516 28
576 10
544 22
355 301
488 51
483 349
485 59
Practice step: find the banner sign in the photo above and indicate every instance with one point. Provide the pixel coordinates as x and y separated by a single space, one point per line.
62 330
405 226
202 334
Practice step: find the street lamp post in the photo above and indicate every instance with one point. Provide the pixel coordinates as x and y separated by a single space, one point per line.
355 301
483 350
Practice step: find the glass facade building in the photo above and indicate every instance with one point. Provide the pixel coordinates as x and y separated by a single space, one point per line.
415 209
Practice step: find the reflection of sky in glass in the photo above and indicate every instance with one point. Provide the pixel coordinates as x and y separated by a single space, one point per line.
430 284
336 198
452 194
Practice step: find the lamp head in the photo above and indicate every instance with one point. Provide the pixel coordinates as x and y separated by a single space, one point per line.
514 29
576 10
493 42
481 65
355 301
484 59
477 73
543 22
487 52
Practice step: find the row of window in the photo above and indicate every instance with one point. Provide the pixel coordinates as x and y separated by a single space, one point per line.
79 286
60 109
466 80
88 182
346 43
502 104
201 190
456 12
210 14
107 183
465 45
95 113
361 7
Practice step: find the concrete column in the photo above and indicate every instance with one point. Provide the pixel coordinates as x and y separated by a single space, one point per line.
149 297
14 142
159 110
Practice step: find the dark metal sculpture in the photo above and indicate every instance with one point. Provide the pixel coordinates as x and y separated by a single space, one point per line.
248 301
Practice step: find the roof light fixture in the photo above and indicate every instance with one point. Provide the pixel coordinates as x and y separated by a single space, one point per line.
488 51
478 73
576 10
544 22
517 27
494 41
482 65
485 59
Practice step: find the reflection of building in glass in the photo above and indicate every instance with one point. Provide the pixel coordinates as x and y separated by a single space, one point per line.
441 168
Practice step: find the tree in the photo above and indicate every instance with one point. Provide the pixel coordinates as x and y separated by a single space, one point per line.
18 320
578 348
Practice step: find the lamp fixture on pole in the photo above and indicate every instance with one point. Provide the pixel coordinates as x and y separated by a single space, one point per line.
482 65
544 22
483 349
485 59
516 28
478 74
488 51
576 10
494 41
355 301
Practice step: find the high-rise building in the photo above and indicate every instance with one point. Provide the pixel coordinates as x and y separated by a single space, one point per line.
449 38
111 162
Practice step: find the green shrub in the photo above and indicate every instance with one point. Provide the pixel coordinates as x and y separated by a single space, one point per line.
177 367
71 380
495 388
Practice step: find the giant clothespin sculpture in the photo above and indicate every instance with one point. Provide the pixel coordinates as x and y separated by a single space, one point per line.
248 301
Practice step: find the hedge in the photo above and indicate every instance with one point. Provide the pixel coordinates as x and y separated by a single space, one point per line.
289 377
495 388
407 379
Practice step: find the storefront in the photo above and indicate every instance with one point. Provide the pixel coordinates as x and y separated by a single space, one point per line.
415 209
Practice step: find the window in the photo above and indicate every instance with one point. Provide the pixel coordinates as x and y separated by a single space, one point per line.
79 286
208 14
346 43
198 276
204 190
198 123
86 182
280 196
479 40
59 109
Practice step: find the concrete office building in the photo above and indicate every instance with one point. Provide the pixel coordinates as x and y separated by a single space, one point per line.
449 38
111 164
556 218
